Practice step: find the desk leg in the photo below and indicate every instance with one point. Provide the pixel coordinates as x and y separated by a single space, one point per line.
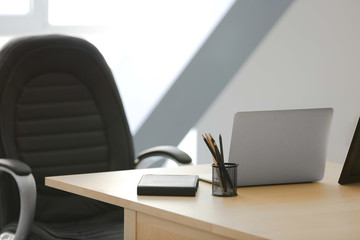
129 224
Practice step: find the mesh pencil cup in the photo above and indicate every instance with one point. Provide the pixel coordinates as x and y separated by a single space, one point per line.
224 180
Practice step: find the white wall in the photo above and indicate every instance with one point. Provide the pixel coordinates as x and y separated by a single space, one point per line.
311 58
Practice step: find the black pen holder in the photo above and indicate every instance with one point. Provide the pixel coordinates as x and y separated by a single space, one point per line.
224 180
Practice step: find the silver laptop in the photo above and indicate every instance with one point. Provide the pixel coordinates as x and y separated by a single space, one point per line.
279 147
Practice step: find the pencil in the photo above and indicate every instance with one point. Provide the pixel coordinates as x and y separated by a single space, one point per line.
219 173
218 155
222 156
222 170
221 148
210 149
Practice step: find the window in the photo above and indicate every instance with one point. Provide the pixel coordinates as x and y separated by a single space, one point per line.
14 7
83 12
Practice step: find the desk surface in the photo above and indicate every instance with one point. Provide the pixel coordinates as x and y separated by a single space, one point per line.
322 210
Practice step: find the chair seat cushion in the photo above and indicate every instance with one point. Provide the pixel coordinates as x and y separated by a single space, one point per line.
105 227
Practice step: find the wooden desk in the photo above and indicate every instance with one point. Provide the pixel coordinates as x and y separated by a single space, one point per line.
323 210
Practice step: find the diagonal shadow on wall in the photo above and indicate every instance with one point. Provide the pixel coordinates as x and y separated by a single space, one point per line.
214 65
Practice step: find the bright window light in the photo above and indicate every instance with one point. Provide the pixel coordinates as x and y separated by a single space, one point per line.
83 12
4 40
146 43
14 7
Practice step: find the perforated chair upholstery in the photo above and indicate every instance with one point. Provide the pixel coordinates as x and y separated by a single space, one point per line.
61 113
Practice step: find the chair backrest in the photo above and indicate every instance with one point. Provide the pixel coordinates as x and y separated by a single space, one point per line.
60 109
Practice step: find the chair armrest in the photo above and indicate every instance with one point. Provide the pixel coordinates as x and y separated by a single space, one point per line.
21 172
19 168
171 152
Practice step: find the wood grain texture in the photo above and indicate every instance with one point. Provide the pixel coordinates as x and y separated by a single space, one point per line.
153 228
321 210
129 224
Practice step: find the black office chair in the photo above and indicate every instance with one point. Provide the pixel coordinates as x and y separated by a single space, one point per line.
60 113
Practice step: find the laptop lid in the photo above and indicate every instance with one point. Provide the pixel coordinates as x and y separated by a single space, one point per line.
281 146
